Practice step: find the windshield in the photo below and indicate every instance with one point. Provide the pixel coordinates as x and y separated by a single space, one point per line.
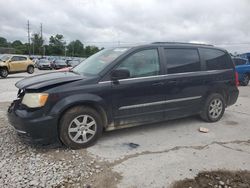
4 57
60 62
43 61
97 62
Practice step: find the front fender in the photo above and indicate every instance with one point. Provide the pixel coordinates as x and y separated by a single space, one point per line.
78 99
4 65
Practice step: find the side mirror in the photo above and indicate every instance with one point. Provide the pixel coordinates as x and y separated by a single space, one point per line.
120 74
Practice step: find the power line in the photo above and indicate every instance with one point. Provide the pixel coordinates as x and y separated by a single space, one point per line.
233 43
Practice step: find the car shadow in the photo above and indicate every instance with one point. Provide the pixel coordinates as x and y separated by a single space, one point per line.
149 127
152 126
13 77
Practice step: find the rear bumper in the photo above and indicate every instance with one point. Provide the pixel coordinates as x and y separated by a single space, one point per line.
47 67
233 96
41 129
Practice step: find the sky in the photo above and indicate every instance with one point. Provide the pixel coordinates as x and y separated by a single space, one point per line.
224 23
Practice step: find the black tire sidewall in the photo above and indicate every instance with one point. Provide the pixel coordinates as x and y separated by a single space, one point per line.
208 102
66 120
28 69
1 72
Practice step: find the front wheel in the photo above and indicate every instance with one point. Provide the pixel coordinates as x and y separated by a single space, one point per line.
30 69
214 108
4 72
245 80
80 127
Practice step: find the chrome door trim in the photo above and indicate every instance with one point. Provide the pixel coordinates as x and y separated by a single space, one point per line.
19 131
104 82
167 75
158 103
141 105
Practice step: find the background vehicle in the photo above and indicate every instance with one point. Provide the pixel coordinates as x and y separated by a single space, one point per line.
245 56
43 64
58 64
35 60
15 64
243 68
124 87
73 63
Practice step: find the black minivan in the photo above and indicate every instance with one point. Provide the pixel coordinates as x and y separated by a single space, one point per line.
122 87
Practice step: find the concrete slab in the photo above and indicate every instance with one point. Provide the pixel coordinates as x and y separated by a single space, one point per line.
162 169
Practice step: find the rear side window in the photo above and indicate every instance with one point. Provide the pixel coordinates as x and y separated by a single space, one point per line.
182 60
18 58
22 58
15 58
216 59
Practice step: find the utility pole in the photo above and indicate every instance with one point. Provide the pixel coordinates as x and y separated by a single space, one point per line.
43 51
28 27
33 48
41 27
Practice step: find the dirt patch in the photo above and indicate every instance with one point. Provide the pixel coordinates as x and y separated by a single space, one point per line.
231 123
219 179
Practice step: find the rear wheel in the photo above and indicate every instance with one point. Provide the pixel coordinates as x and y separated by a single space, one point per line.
80 127
245 80
214 108
30 69
4 72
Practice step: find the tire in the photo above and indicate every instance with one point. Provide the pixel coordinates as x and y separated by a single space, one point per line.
214 108
4 72
80 127
30 69
245 81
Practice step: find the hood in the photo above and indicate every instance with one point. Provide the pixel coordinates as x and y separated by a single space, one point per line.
47 79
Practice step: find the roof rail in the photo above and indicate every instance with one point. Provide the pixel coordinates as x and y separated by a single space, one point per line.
182 43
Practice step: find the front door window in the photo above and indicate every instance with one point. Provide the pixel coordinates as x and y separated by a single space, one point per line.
141 64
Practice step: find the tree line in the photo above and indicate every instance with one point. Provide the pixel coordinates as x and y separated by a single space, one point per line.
56 47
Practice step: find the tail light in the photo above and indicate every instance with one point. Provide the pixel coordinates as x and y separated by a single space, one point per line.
236 75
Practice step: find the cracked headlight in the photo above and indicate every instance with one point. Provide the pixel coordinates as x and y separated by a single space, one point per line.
35 100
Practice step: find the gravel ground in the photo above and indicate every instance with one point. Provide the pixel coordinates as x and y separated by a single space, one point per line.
27 165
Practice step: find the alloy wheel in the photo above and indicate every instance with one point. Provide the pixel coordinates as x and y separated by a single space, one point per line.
215 108
82 129
246 80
